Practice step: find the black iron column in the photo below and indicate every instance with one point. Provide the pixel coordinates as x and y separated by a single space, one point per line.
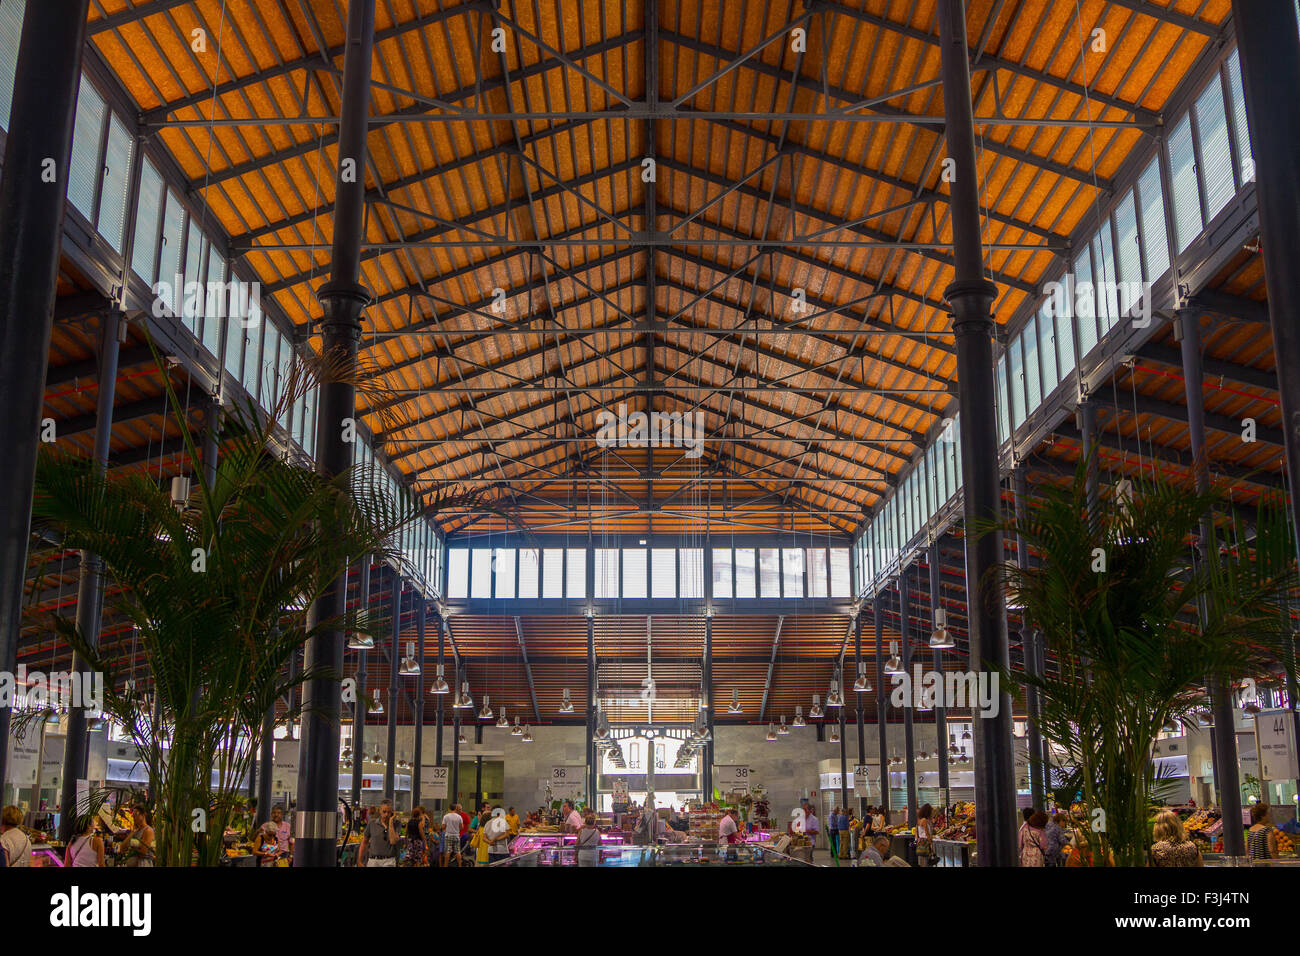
882 701
317 820
90 587
394 656
857 694
266 760
455 745
909 699
971 298
1227 777
1270 70
708 692
936 656
844 745
418 763
1086 418
1029 640
362 703
437 734
44 107
591 704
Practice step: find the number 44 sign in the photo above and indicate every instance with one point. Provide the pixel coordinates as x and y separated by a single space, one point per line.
1276 745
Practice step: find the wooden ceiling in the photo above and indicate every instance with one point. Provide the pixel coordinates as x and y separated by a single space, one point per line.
676 294
671 295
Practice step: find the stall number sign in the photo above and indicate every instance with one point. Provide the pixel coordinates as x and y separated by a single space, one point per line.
732 778
860 784
1275 745
567 782
433 783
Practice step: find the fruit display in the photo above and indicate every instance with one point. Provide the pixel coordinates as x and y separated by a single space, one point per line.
961 828
1285 844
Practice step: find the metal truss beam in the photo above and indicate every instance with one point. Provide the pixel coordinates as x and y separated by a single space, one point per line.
771 668
146 8
528 670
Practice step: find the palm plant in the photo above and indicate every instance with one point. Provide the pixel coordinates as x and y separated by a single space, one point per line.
1139 626
217 587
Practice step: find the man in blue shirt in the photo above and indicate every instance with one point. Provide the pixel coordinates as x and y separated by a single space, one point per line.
845 833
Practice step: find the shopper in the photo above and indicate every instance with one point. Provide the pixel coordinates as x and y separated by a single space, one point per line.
417 837
924 835
478 837
380 838
1031 840
87 847
872 855
885 850
282 829
1261 838
811 827
844 826
512 821
496 831
17 845
1171 846
833 833
588 842
1056 840
572 818
266 844
451 830
140 849
878 820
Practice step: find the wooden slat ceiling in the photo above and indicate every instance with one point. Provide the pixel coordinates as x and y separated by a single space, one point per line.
747 207
465 394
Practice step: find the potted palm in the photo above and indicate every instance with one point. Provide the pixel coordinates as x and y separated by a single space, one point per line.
217 586
1139 625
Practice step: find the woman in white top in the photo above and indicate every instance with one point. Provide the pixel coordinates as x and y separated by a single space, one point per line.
14 843
87 847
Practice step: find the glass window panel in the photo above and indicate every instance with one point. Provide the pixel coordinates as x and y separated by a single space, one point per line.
575 581
144 252
528 561
213 309
634 572
1155 241
234 346
309 424
769 572
169 256
663 572
692 572
1240 128
607 572
1216 153
1016 374
458 572
1129 251
792 561
1085 303
746 575
1033 383
480 573
1000 400
1104 261
816 562
252 362
84 170
1047 352
1187 200
505 572
11 30
722 572
113 195
553 573
192 305
839 572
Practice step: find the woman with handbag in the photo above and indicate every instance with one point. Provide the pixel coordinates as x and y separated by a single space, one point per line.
588 844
